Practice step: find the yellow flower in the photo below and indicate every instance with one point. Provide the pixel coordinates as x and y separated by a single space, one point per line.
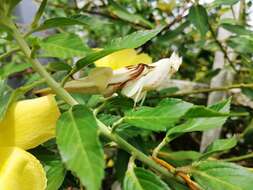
27 124
123 58
20 170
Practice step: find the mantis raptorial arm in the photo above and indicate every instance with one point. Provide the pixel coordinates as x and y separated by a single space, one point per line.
96 82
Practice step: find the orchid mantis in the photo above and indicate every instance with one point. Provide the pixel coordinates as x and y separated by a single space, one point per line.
133 81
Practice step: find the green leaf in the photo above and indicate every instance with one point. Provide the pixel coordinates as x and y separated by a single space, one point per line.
203 124
64 45
92 22
58 66
108 119
218 175
59 22
132 40
181 155
128 131
180 158
219 145
141 179
199 18
241 44
202 111
55 174
237 29
175 185
122 13
171 34
121 164
218 3
159 118
248 92
79 146
88 21
12 3
6 7
12 68
4 26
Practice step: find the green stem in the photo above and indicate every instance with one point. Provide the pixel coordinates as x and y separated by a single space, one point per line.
99 108
238 158
65 79
116 124
167 139
39 68
131 163
7 54
242 14
24 89
132 150
160 146
68 98
39 14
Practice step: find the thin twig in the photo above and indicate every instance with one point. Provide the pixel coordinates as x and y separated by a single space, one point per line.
39 14
177 19
233 12
76 4
160 146
65 79
7 54
206 90
242 14
221 47
116 124
29 87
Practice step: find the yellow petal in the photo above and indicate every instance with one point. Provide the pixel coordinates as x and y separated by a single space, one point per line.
20 170
142 58
29 123
123 58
